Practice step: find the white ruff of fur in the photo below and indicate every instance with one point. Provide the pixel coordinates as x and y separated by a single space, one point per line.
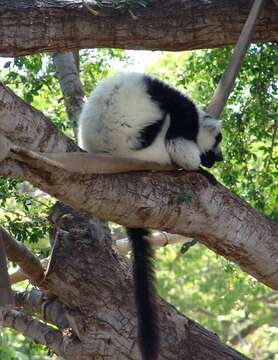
185 153
209 128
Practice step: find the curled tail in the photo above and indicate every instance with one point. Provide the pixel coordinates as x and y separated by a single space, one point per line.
143 275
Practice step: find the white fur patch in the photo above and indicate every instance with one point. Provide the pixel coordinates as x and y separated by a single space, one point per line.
116 111
209 128
185 153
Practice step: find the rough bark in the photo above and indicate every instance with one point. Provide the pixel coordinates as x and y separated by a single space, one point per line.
33 329
56 25
20 123
98 298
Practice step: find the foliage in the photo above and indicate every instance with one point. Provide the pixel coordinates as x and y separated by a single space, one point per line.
17 347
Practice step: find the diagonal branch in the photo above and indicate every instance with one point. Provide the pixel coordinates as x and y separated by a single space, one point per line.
227 81
68 76
33 329
20 254
214 215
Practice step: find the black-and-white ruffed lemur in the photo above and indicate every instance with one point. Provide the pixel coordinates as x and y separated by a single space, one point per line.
134 115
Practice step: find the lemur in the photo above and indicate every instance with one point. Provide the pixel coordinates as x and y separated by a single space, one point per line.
137 116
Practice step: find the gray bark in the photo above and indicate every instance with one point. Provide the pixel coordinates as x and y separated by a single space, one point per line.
68 76
57 25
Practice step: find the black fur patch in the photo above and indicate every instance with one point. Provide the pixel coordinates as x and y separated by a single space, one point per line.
208 159
218 139
183 113
148 134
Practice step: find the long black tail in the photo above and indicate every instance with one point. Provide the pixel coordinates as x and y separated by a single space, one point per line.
143 274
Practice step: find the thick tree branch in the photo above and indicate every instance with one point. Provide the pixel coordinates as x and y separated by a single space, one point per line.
33 329
214 215
49 310
20 254
58 25
28 127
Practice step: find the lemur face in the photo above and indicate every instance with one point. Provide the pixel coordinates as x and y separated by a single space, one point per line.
209 139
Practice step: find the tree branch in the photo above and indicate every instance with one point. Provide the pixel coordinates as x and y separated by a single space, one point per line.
214 215
20 254
123 246
227 81
158 239
6 297
67 74
49 310
17 275
165 25
33 329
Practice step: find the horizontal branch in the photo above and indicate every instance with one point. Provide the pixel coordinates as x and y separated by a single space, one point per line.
157 240
165 25
24 258
34 329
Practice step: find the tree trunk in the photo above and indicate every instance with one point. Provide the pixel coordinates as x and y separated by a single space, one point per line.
57 25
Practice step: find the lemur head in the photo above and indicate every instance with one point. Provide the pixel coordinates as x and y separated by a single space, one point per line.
208 139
